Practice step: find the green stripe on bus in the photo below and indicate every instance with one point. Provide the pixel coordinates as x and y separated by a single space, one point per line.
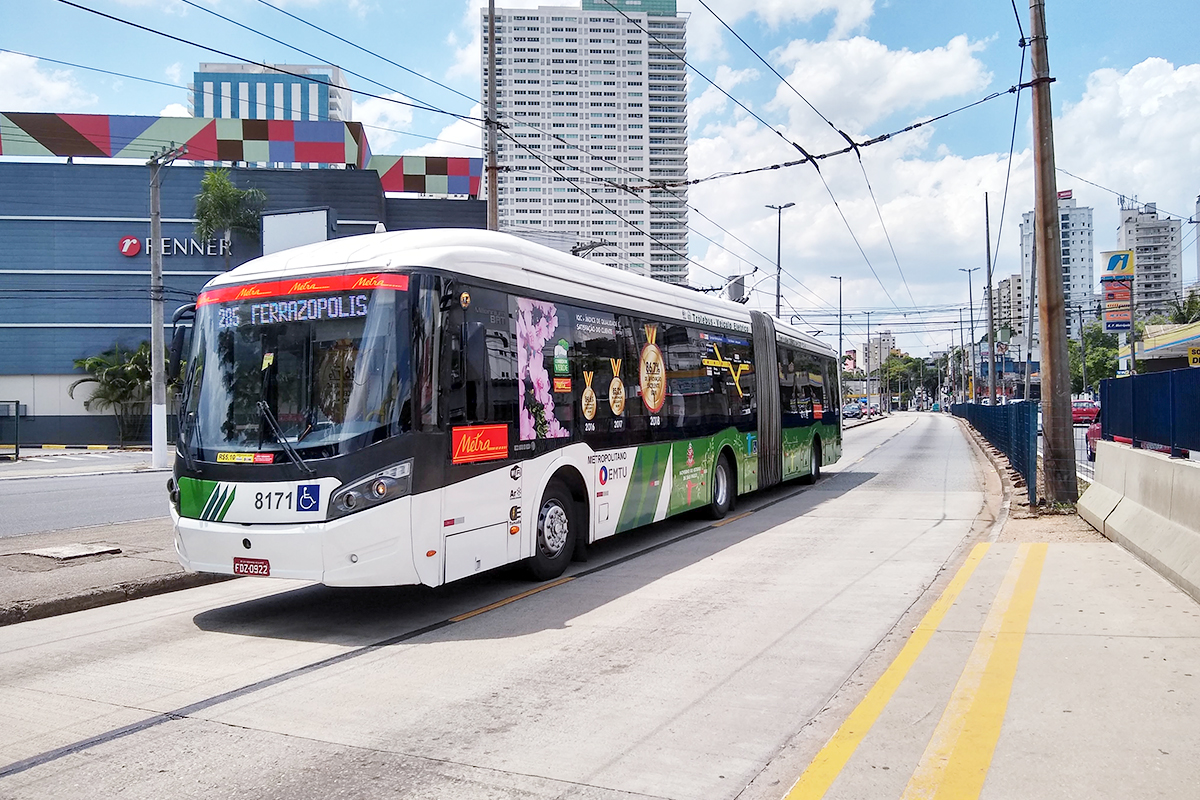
645 484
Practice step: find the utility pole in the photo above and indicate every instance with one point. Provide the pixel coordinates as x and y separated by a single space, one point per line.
493 211
158 373
962 340
1058 451
987 228
1033 271
779 252
868 361
839 280
971 307
1083 347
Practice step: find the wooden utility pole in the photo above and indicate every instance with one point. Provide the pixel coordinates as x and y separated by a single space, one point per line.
1058 450
493 212
158 373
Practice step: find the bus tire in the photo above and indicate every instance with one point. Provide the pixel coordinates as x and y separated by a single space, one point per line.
557 528
724 483
814 463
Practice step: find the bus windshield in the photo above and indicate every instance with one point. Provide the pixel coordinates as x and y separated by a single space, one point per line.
331 367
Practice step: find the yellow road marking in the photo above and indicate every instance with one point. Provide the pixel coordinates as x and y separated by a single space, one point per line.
512 599
957 758
828 763
732 519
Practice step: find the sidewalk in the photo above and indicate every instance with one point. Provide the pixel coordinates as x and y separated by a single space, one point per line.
91 566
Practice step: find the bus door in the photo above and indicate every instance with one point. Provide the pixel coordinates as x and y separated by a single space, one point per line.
482 502
770 435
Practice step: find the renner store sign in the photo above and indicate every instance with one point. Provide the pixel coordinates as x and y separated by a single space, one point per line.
130 246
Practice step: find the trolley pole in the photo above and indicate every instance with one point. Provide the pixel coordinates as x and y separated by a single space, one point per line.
1058 440
158 373
493 212
779 253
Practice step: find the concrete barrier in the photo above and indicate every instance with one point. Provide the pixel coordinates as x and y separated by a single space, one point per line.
1150 504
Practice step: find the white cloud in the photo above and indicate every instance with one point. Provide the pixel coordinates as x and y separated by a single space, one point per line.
706 35
174 72
384 120
27 86
459 138
857 82
175 110
713 101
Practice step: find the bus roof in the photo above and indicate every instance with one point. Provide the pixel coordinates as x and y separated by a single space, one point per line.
507 259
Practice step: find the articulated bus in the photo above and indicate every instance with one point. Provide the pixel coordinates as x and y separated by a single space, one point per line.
418 407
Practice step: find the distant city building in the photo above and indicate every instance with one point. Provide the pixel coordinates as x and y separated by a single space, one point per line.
1078 260
877 349
592 97
1008 305
285 91
1157 256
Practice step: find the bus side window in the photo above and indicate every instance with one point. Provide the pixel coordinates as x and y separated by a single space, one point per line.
637 418
426 333
482 351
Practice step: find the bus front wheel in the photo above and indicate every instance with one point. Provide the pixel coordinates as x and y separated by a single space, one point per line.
557 527
723 488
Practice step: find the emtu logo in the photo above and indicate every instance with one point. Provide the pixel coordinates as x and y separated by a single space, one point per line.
130 246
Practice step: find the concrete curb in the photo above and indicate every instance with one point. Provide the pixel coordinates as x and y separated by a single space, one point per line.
28 610
1003 470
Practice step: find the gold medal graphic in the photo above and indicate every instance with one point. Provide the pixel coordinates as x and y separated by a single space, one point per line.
652 372
588 401
616 389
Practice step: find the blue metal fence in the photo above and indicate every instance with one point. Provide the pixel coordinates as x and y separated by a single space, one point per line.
1162 408
1011 429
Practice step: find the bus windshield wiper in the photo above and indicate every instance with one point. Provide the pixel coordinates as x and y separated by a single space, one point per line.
265 411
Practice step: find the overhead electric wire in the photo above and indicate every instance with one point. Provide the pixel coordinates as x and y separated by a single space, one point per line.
1008 173
301 76
1184 217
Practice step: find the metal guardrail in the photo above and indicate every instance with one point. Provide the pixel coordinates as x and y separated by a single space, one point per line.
10 429
1011 429
1160 408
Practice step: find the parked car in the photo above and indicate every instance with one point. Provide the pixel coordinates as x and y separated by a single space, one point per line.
1094 433
852 411
873 411
1084 412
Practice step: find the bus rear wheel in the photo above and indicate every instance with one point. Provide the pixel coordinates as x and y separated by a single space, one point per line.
557 528
814 463
723 488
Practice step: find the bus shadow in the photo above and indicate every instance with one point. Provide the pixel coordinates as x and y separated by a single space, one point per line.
617 566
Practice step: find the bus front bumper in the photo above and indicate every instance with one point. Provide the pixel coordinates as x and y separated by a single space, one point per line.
370 548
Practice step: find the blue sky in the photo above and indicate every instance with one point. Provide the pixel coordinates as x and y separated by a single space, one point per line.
1126 101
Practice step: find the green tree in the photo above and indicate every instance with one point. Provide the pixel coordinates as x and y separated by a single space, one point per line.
223 208
1184 311
122 379
1101 357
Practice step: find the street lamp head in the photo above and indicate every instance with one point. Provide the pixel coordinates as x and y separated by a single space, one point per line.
780 208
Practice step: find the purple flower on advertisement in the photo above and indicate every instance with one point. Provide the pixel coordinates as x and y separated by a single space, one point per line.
536 323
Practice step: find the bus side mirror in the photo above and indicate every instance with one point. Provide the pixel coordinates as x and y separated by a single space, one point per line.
177 335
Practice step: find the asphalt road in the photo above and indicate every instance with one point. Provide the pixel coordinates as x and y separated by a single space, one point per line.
677 662
35 504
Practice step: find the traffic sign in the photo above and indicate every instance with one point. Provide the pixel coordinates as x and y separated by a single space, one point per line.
1194 356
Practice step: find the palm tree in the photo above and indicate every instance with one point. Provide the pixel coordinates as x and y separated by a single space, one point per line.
1186 310
221 207
122 379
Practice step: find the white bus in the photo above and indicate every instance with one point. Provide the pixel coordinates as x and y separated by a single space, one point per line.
417 407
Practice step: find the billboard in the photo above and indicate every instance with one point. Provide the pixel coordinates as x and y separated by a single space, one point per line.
1118 265
1118 308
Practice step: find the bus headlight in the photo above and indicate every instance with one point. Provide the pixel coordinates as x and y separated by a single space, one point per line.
378 487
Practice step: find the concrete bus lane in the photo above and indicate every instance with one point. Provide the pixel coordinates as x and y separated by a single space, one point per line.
679 662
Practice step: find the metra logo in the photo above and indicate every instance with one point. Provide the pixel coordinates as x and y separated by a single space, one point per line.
369 282
130 246
478 443
253 291
307 286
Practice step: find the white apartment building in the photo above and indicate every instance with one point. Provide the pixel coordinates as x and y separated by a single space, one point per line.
1157 256
1078 261
593 99
877 349
1008 305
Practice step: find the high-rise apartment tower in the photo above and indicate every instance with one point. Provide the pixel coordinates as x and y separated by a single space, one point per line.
592 103
1078 261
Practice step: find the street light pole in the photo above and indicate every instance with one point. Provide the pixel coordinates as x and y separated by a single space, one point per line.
971 302
158 373
987 227
779 253
868 354
839 280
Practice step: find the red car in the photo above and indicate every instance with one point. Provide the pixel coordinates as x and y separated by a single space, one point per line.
1084 412
1093 433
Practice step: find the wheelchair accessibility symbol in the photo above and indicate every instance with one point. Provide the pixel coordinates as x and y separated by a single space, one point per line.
308 497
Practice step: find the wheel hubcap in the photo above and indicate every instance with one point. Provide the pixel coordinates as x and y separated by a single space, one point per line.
553 527
721 485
